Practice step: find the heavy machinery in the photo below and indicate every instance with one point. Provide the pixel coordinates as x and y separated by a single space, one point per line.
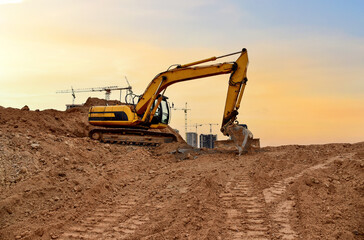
132 123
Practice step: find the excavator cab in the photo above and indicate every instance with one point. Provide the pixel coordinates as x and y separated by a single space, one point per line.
162 114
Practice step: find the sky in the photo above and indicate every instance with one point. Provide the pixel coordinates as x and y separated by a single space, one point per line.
306 59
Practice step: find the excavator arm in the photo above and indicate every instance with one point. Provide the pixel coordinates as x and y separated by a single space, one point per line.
187 72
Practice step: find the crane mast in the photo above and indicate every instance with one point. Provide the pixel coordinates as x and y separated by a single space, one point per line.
185 109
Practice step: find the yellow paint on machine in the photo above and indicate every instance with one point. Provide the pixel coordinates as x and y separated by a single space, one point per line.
101 115
109 111
125 123
143 113
158 126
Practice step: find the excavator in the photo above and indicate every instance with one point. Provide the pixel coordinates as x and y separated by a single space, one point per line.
133 122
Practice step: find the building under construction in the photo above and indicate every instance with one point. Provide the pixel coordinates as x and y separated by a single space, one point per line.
192 139
207 140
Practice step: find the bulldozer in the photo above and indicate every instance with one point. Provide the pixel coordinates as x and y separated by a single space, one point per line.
135 121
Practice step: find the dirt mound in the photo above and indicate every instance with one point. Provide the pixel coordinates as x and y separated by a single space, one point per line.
56 183
331 194
72 123
168 129
100 102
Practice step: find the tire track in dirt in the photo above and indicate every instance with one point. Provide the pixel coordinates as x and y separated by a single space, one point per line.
282 209
107 223
118 221
245 211
273 193
122 220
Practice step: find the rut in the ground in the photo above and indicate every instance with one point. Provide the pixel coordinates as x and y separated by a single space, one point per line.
273 193
283 209
116 222
245 211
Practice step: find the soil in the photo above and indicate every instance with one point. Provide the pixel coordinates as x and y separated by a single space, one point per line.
56 183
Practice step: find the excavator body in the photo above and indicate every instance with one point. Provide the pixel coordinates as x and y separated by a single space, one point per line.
118 116
140 123
122 125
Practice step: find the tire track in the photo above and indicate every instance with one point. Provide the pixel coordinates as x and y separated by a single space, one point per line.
245 211
282 209
107 223
281 221
273 193
118 221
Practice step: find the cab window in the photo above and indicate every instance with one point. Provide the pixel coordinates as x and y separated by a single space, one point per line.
165 112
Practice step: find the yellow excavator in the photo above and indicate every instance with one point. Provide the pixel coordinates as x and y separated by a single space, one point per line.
133 123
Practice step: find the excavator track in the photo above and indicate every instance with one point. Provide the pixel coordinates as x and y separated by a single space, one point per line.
132 136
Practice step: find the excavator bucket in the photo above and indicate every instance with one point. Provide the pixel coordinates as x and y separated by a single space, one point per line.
241 138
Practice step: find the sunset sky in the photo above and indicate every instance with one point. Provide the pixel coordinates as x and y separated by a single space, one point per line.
305 73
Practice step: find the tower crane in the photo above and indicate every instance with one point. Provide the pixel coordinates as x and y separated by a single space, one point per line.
185 109
196 125
107 91
211 124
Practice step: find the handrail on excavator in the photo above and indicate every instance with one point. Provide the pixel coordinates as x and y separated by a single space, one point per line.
209 59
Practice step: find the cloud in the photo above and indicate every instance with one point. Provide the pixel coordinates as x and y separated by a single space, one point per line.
10 1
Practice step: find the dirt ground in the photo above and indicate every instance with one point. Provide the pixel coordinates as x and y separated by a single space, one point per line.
56 183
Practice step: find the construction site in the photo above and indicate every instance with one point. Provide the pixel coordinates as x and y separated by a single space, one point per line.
242 120
117 170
